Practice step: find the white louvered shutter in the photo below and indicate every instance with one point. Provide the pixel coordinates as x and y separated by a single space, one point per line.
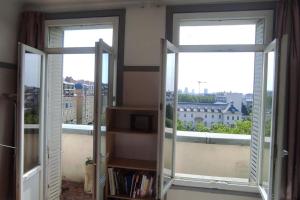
54 119
257 104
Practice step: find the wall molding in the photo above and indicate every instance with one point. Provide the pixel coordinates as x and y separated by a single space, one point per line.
6 65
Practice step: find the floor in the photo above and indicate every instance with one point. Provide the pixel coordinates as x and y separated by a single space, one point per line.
74 191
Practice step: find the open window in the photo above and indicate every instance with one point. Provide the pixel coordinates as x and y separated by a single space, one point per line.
30 131
168 106
104 97
81 77
219 54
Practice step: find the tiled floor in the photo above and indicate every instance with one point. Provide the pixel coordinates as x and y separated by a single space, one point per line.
74 191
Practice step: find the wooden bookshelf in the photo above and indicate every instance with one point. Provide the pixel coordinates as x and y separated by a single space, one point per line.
128 149
125 197
143 165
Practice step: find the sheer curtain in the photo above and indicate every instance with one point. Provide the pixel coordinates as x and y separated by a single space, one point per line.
32 29
288 21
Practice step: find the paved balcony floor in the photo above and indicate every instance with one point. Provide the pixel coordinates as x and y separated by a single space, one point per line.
74 191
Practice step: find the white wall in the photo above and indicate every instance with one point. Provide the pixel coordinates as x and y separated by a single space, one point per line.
144 28
9 14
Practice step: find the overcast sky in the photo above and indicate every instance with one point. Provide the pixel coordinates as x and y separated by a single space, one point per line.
230 72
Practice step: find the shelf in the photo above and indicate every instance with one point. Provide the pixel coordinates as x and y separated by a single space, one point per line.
135 108
127 131
126 197
123 163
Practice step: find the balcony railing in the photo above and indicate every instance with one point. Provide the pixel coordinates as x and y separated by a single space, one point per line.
197 153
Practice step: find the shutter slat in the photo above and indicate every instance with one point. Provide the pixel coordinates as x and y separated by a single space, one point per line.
257 99
55 72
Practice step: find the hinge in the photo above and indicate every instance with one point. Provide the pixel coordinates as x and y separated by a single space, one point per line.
160 106
275 151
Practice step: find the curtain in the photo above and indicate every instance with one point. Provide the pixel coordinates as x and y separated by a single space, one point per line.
288 21
32 29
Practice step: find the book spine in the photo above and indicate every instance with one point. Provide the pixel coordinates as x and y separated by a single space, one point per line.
111 181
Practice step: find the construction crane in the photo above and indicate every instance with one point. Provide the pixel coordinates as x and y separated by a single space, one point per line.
199 83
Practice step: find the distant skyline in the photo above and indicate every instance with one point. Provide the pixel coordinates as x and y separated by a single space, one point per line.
222 71
230 72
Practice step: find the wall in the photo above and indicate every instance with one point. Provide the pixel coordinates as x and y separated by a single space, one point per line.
144 29
9 11
205 194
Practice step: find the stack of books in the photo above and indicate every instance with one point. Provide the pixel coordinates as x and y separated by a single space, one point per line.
133 184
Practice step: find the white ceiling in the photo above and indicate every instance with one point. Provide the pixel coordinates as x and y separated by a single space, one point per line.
49 5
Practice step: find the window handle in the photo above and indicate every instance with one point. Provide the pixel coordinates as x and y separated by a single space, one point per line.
284 153
7 146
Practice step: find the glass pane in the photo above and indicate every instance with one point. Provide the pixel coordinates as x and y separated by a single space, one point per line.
78 116
104 104
32 104
68 36
210 35
268 112
214 114
78 90
169 117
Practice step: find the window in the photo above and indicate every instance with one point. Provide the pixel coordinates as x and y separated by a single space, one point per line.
212 66
78 66
70 44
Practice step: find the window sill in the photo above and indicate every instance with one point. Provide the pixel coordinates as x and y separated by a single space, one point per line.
218 183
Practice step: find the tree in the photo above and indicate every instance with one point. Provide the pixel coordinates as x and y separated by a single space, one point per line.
200 127
242 127
220 128
180 125
244 110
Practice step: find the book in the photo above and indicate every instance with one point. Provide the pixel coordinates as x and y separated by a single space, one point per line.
131 183
111 181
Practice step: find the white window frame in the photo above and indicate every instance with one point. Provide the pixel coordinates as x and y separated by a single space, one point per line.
82 23
79 23
228 18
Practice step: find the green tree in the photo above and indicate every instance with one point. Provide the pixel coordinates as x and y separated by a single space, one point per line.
242 127
200 127
180 125
220 128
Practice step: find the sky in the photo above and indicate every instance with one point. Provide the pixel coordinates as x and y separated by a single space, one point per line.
81 66
32 69
230 72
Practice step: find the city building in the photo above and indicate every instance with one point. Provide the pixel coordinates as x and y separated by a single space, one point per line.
208 113
69 103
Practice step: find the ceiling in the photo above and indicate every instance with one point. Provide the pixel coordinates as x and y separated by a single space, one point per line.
48 5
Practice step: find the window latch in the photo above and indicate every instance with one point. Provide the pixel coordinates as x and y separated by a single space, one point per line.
284 153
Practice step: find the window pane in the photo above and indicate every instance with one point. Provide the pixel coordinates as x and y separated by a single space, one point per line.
79 37
217 90
169 117
218 34
78 89
88 37
32 103
268 112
